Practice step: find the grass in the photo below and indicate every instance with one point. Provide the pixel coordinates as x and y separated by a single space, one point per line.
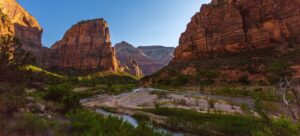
208 123
86 123
216 124
40 70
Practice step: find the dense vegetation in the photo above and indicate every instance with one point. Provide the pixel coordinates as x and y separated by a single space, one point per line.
12 58
224 124
208 70
85 123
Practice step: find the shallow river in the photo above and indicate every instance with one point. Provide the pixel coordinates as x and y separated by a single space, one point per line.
134 122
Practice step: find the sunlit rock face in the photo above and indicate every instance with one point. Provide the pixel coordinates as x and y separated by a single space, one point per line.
236 39
22 25
238 25
87 45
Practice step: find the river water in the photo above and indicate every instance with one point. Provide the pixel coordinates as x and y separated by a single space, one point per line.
134 122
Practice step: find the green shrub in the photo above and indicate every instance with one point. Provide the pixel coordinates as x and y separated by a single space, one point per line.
245 108
211 103
279 127
160 94
277 70
11 101
244 80
141 118
208 123
86 123
206 77
58 92
63 95
30 124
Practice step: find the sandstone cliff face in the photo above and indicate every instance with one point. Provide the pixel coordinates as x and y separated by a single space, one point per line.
87 45
236 25
133 68
232 41
150 59
17 21
128 55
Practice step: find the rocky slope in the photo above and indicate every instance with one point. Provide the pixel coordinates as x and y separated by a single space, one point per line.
87 45
149 59
15 20
128 56
236 40
160 54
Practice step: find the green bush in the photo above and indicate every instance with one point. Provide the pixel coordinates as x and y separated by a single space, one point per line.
277 70
63 95
211 103
208 123
86 123
279 127
206 77
11 101
30 124
244 80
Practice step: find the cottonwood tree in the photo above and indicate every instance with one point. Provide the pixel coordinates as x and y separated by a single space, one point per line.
289 88
12 57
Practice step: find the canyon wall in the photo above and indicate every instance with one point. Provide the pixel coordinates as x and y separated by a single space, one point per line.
15 20
236 25
87 45
236 41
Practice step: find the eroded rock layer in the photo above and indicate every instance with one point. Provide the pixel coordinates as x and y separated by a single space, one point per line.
15 20
149 59
236 25
236 41
87 45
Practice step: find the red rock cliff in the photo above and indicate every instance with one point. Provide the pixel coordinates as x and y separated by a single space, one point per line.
22 24
234 41
235 25
87 45
15 20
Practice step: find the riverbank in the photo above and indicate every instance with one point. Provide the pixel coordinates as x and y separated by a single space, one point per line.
144 98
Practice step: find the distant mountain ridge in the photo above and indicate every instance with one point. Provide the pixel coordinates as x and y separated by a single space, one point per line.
149 59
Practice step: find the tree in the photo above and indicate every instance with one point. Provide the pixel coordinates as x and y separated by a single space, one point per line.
290 87
12 57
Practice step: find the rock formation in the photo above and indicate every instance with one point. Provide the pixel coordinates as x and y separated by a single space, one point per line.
15 20
160 54
236 25
87 45
133 68
236 40
150 59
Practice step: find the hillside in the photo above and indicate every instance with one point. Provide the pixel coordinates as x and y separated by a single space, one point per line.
236 42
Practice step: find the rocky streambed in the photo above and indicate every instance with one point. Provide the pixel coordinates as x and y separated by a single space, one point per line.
125 106
150 98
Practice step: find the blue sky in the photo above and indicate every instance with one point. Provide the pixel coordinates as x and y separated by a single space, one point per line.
139 22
